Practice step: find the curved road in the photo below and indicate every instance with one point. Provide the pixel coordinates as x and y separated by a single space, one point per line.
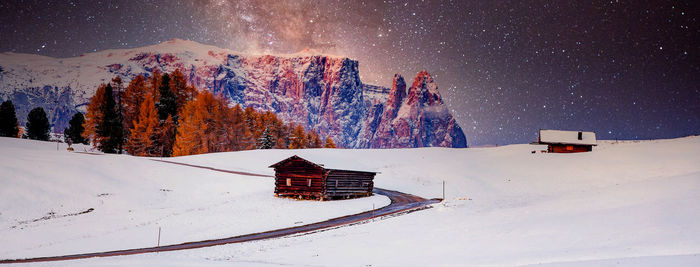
401 203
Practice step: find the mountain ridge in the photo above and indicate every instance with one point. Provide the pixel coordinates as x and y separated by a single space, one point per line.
320 92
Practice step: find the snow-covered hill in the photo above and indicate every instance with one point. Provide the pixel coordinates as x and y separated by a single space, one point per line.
630 203
321 92
54 202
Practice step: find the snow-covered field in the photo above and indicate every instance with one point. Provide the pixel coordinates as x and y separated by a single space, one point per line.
627 203
42 190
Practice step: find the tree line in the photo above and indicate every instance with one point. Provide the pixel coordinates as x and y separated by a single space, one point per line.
162 115
37 127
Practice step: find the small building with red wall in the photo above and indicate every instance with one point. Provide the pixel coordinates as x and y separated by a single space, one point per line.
298 177
559 141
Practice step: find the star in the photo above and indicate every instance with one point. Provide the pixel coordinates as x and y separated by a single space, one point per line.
493 61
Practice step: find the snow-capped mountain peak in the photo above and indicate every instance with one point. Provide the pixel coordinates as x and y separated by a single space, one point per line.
320 92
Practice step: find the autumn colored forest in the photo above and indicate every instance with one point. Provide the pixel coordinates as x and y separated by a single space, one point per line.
164 116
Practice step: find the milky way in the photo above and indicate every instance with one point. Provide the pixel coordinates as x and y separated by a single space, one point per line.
626 70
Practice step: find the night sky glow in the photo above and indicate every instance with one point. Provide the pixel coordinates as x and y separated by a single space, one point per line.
624 69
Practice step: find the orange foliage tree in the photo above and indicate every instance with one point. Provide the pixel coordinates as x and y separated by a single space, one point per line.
329 143
134 94
203 123
241 135
313 140
208 125
144 133
297 139
94 116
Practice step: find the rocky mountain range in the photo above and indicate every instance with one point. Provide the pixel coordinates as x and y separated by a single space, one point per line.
320 92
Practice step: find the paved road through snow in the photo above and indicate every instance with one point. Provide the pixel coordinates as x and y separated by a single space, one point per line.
401 203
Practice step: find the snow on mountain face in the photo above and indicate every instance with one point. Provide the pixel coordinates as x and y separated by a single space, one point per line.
321 92
417 118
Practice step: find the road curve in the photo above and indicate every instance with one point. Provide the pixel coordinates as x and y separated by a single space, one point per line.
400 203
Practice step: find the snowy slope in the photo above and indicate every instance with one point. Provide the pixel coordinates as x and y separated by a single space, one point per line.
42 192
630 203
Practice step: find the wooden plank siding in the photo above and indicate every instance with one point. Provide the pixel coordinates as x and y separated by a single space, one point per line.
564 148
559 141
299 173
340 183
297 177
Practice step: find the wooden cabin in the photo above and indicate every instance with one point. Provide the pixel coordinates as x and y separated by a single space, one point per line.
297 177
558 141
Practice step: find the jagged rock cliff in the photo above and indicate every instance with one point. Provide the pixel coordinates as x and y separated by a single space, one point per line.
321 92
417 118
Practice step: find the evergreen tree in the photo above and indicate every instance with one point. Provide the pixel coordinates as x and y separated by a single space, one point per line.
166 137
75 129
329 143
110 129
8 120
119 131
266 141
183 92
167 113
167 101
38 125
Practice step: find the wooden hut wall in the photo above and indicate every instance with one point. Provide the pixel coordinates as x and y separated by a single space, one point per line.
563 148
349 183
299 173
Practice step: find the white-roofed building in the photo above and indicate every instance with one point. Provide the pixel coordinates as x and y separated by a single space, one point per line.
559 141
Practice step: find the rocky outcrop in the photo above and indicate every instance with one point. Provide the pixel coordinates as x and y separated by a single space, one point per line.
384 135
322 93
417 118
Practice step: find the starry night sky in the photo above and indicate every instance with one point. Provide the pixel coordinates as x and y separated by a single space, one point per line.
624 69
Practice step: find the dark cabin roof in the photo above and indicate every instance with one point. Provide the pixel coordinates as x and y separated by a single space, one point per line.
295 157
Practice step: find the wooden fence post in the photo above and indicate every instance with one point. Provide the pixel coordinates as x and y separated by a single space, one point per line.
443 190
158 240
